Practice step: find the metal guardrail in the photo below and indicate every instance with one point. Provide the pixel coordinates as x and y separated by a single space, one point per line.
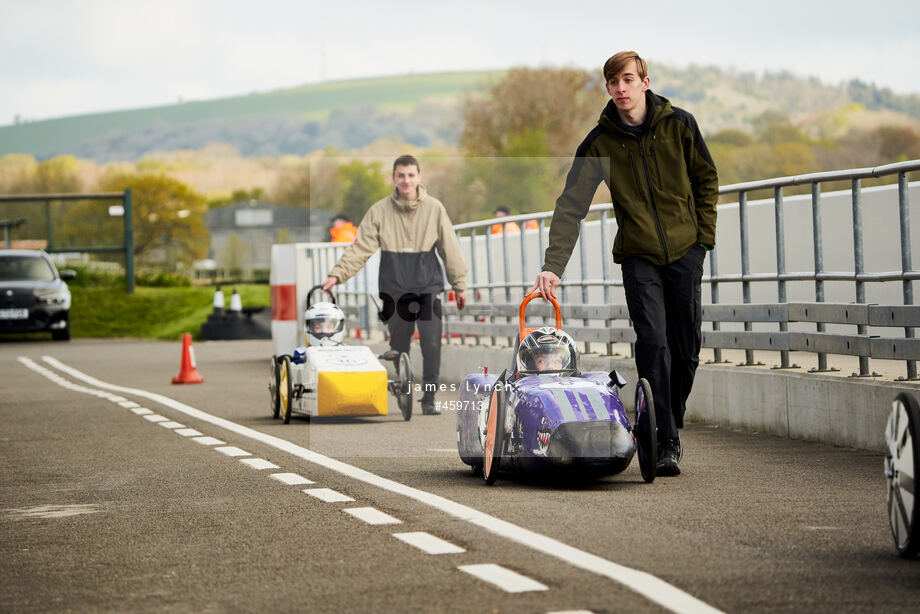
492 312
820 342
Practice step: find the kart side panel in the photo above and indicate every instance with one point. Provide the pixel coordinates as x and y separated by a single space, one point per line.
474 390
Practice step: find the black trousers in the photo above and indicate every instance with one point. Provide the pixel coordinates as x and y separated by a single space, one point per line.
665 307
402 314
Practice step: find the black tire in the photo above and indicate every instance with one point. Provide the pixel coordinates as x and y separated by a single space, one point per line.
274 398
645 429
495 432
404 386
902 458
285 388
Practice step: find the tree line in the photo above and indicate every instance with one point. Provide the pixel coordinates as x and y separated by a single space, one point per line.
516 141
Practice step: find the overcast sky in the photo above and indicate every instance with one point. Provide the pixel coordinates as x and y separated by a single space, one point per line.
68 57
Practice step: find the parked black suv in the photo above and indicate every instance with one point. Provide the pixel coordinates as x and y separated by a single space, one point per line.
33 295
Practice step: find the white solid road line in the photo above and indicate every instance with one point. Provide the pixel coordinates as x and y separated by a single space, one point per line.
328 495
189 432
505 579
372 515
427 542
291 479
232 451
259 463
643 583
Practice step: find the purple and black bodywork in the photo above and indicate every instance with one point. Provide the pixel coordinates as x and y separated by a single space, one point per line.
550 420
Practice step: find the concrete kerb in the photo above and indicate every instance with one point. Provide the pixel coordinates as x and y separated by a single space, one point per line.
831 409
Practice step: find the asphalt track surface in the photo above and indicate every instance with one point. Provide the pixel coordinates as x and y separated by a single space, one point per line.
103 509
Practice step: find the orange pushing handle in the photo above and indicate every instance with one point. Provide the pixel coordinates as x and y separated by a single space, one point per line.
532 296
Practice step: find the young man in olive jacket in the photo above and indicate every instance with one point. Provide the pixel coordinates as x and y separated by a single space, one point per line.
664 189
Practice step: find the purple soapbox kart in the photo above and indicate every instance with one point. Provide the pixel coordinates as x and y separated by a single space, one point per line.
536 416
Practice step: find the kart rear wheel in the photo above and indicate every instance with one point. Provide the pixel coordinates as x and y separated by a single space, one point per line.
902 458
285 388
495 432
273 375
645 429
403 388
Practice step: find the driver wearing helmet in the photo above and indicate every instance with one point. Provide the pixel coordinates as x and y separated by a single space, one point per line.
546 350
324 324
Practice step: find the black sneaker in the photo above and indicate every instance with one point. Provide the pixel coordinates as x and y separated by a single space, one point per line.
391 355
428 406
668 457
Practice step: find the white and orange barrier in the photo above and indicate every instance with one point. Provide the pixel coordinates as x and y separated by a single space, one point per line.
297 267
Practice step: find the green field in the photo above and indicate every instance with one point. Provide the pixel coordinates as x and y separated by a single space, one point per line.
309 102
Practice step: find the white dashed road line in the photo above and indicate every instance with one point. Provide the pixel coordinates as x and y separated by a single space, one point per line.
505 579
643 583
171 425
259 463
156 418
142 411
291 479
232 451
208 441
189 432
428 543
328 495
372 515
129 404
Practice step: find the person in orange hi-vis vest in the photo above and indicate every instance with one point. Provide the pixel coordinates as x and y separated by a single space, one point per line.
343 231
511 227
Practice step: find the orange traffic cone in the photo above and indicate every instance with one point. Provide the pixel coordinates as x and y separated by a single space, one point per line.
188 374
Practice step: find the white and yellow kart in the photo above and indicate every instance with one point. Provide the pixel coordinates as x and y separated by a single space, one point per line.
338 380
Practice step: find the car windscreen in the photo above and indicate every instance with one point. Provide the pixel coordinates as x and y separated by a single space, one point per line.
25 268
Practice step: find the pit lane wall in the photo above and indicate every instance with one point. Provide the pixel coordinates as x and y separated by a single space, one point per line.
832 409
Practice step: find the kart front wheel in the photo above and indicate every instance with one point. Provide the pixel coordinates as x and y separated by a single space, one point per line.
902 458
273 376
403 388
645 429
285 388
495 432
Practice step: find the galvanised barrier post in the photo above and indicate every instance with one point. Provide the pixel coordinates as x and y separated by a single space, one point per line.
906 266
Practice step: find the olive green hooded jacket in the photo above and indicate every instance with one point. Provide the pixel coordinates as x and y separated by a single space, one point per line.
663 186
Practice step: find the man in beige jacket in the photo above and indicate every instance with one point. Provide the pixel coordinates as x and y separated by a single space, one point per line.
411 228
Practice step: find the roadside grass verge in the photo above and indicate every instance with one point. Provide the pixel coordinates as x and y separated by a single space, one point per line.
151 312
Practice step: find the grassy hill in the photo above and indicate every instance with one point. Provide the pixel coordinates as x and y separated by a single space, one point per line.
425 109
310 105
